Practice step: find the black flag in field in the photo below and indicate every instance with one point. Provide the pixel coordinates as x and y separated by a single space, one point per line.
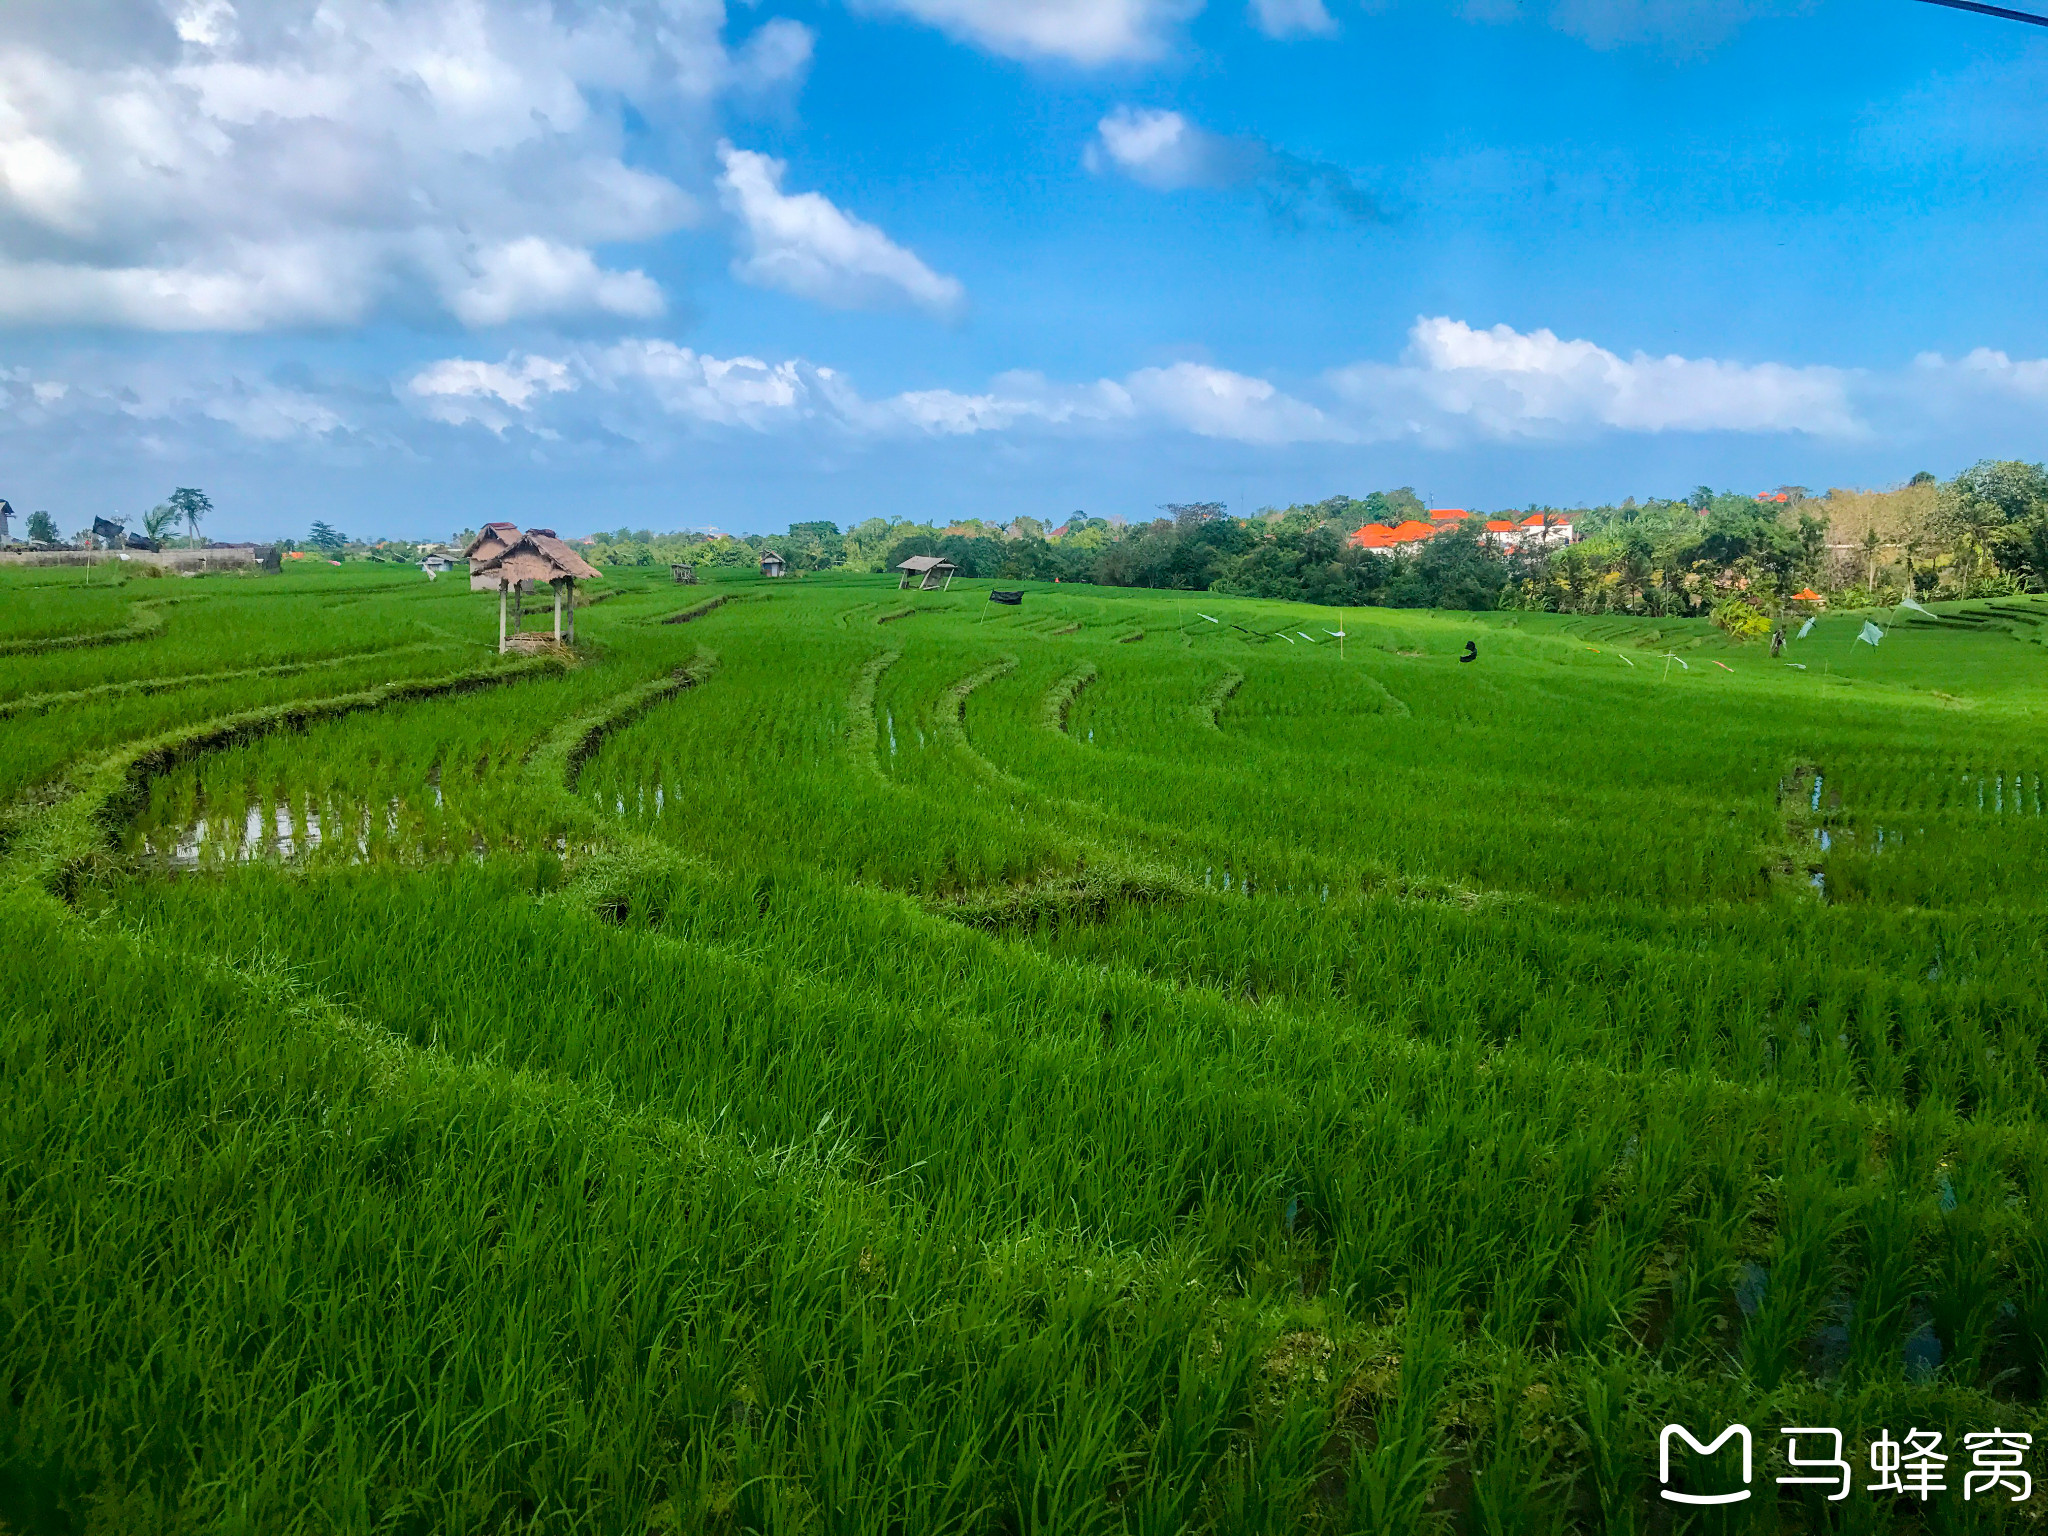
1012 598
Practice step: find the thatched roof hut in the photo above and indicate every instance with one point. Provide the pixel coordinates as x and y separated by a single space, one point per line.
772 564
534 557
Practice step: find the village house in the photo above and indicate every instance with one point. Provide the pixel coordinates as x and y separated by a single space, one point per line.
1548 528
1542 529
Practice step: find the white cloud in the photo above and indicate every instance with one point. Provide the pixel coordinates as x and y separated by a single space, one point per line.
776 55
1093 33
460 390
219 166
731 392
132 402
1454 384
1292 18
270 414
1085 32
533 276
1454 387
1506 384
1214 402
640 377
1985 371
1166 151
1158 148
803 244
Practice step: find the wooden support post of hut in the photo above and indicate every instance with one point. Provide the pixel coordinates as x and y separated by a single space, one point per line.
537 556
931 571
686 575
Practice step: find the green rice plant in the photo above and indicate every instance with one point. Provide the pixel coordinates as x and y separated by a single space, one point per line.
811 1094
1390 1481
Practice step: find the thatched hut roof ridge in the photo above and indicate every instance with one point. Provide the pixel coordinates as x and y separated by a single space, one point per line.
491 539
537 555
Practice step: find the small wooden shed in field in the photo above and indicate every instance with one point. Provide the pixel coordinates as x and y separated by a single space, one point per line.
686 575
537 556
932 572
773 564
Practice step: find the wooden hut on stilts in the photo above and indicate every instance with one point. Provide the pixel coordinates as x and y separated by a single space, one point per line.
931 572
533 557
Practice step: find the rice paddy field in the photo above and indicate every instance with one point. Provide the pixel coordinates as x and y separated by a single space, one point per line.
826 1059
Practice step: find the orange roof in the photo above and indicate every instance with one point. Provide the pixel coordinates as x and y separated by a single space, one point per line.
1807 595
1412 531
1447 514
1374 536
1499 525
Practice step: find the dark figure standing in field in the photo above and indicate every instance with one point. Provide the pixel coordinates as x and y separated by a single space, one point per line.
1471 651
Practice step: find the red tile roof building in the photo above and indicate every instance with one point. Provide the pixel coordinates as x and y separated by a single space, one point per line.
1552 528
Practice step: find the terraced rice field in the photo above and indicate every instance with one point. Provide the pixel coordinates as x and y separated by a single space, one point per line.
872 1062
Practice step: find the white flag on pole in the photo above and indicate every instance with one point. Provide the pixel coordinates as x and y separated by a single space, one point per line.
1803 629
1201 615
1871 634
1679 659
1907 602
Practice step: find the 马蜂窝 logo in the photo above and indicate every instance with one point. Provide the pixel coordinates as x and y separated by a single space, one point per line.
1674 1431
1915 1468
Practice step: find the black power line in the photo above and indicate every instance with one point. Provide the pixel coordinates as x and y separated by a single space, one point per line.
1990 10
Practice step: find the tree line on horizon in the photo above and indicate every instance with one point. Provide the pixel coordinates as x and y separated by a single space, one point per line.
1735 557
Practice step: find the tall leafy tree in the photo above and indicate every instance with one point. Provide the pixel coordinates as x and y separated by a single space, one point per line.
192 505
42 528
324 536
2023 548
160 519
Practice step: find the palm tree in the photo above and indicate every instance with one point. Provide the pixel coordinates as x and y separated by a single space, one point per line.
192 505
159 520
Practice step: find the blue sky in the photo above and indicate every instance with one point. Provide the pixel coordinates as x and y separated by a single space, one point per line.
658 262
